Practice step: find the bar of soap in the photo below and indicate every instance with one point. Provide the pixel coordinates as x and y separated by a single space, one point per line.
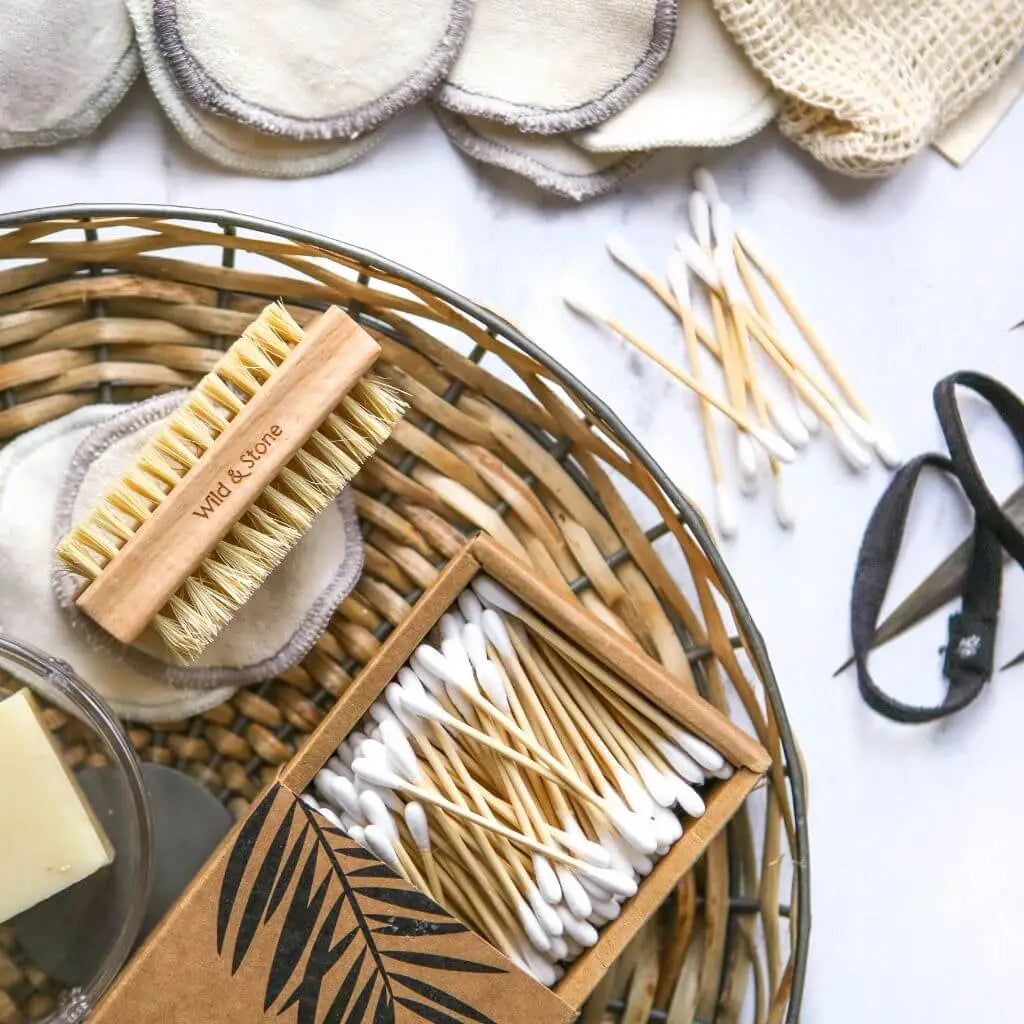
49 837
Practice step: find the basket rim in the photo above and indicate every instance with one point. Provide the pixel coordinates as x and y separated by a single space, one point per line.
229 221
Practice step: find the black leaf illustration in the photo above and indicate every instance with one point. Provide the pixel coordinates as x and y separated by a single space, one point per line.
415 927
262 889
431 1013
407 899
240 854
373 871
287 874
341 1000
440 998
298 926
438 962
385 1011
331 923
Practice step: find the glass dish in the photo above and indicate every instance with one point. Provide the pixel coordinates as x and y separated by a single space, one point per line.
57 959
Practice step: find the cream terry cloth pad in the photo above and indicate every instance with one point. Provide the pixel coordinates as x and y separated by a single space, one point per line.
309 69
554 163
227 142
706 94
558 67
868 84
64 65
51 475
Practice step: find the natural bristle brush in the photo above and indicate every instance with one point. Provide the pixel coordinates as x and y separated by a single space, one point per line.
262 445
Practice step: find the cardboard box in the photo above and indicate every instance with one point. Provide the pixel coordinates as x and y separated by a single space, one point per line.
290 920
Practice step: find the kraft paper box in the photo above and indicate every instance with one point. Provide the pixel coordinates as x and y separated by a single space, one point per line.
291 921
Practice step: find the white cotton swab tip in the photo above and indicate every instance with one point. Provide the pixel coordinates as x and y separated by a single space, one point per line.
422 706
573 894
417 824
886 448
788 423
857 456
327 813
781 504
493 685
591 852
474 643
618 883
380 846
681 763
559 948
450 625
493 595
546 878
808 417
657 784
621 250
357 834
667 826
703 753
605 911
470 606
700 218
376 774
691 802
633 829
577 926
348 798
377 813
704 181
678 277
545 913
584 305
722 226
772 443
324 783
638 798
746 456
400 751
538 937
497 632
859 427
725 512
698 261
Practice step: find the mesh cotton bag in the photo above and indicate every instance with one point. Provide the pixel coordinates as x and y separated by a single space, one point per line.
868 83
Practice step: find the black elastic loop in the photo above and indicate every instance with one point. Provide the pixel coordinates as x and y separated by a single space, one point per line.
1011 411
875 563
970 652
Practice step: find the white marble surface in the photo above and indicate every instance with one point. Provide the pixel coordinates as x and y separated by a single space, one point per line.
916 838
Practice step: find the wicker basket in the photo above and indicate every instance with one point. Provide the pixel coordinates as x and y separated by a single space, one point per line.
115 304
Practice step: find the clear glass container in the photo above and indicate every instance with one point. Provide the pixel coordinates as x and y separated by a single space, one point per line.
57 959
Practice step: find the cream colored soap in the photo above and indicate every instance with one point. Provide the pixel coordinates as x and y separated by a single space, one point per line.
49 837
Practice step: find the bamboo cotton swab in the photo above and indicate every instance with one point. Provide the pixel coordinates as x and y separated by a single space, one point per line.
513 780
767 439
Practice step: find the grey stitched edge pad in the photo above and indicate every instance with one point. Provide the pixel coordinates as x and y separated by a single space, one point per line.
540 121
206 92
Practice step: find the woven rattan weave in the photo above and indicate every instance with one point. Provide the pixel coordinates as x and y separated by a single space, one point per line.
115 304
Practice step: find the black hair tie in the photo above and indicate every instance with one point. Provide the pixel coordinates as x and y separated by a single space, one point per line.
970 652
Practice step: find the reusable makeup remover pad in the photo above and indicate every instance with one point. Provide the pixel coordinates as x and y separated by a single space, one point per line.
306 69
554 163
227 142
558 67
64 65
707 94
49 476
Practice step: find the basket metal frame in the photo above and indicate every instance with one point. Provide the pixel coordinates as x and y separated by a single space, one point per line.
687 513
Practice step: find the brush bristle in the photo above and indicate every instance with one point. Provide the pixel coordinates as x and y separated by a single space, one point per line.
240 563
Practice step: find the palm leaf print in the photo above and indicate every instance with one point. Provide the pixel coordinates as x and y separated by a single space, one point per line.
334 911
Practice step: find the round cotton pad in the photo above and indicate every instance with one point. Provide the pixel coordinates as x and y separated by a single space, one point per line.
305 69
64 66
558 67
707 94
225 141
52 473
